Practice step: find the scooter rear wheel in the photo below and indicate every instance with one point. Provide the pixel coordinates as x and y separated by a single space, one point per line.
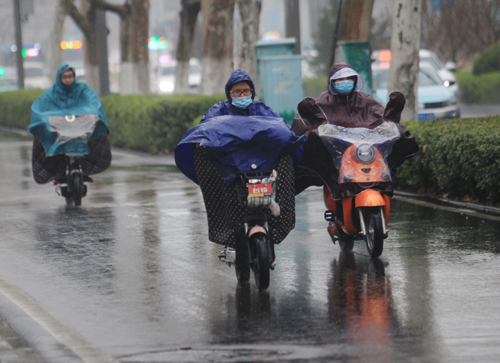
346 242
242 273
261 263
77 188
241 265
374 232
69 200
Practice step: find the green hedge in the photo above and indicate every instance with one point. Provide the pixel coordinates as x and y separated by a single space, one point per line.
15 107
457 159
154 124
149 123
481 89
488 61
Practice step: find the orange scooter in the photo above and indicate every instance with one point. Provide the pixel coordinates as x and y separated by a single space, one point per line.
359 206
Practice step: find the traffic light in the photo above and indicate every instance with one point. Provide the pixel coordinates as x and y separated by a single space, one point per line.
156 43
71 44
2 71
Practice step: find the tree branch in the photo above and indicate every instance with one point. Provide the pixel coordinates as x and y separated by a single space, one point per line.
70 7
121 10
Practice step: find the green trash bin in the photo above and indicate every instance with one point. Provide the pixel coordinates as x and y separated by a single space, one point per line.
279 76
358 55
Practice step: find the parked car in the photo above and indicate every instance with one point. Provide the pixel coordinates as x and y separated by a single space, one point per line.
35 77
165 77
8 79
426 57
444 71
435 100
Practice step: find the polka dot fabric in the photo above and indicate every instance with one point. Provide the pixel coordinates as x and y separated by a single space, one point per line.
225 210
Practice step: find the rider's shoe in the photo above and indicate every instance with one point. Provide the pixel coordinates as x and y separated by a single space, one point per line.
87 178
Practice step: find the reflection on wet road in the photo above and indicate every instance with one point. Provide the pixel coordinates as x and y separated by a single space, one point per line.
133 272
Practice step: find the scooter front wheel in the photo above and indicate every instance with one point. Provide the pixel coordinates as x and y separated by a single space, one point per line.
261 264
374 231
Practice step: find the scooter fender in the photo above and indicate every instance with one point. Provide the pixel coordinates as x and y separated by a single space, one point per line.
256 229
372 198
369 198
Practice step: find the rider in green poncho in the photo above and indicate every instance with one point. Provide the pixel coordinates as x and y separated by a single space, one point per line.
68 119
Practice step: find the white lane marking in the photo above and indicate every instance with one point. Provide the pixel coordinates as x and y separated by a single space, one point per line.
60 330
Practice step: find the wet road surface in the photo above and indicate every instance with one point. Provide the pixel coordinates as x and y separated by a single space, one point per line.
131 277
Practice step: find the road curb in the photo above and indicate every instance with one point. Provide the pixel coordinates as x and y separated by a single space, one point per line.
455 203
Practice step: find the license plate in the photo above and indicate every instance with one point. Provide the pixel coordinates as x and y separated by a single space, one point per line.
259 190
425 116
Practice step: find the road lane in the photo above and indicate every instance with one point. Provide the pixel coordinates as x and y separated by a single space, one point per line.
132 272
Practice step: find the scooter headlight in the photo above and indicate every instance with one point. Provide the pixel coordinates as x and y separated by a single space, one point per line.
365 153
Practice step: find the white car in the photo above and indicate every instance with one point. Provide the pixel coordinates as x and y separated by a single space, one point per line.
165 76
35 77
444 72
435 100
426 57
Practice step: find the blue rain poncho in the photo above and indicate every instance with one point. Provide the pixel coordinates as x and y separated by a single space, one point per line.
238 144
65 118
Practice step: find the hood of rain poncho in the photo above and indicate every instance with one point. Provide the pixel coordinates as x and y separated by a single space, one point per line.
238 144
238 75
343 70
64 118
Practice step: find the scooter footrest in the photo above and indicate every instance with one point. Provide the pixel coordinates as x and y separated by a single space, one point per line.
329 215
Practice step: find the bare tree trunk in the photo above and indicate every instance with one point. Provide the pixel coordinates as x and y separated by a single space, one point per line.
355 21
134 32
188 16
56 39
139 44
405 45
217 64
85 20
248 35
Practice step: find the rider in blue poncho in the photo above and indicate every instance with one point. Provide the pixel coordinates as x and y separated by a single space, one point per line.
68 119
240 93
239 135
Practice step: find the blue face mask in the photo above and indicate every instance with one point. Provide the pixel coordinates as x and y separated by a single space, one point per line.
242 102
344 87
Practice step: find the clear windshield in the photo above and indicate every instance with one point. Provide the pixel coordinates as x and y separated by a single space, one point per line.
338 139
73 128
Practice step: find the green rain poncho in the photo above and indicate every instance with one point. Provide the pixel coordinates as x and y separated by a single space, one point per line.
68 120
64 117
